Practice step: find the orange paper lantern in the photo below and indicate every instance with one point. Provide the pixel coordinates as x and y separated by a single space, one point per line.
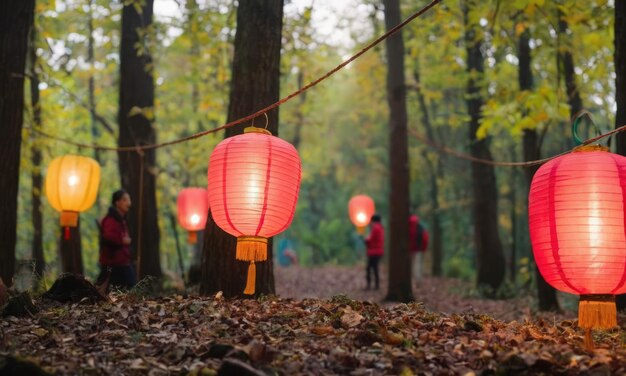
361 208
253 180
193 209
72 186
576 215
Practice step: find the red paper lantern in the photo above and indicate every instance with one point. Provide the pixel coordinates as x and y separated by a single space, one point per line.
254 179
361 208
576 216
193 208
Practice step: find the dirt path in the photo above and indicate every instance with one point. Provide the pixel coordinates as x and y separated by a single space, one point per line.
438 294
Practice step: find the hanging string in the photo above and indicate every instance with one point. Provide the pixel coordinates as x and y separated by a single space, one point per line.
261 111
454 153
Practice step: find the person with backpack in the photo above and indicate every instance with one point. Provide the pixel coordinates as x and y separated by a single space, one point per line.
418 242
375 244
116 268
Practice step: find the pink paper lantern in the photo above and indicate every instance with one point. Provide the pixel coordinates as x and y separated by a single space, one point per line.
361 208
193 209
254 179
576 215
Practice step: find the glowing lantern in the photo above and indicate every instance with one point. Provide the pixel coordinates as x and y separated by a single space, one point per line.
577 213
193 208
254 179
72 186
361 208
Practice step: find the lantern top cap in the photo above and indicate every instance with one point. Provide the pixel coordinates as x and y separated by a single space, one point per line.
583 148
256 130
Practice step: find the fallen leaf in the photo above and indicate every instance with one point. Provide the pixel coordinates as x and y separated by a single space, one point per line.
351 318
39 332
323 330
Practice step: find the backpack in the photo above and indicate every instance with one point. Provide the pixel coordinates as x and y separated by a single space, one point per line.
422 237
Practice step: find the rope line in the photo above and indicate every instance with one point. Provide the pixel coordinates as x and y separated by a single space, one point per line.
447 150
261 111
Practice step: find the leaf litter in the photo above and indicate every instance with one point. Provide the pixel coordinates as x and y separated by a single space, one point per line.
192 335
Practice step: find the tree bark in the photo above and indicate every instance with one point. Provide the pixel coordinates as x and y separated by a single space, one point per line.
254 85
546 294
135 117
36 158
620 96
399 289
489 254
16 18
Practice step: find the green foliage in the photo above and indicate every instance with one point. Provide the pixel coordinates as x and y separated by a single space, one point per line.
340 126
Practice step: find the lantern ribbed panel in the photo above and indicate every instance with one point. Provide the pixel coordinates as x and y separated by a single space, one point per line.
576 220
193 202
253 181
361 208
72 183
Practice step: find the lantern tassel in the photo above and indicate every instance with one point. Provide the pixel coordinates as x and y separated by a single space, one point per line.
66 234
251 248
597 311
251 282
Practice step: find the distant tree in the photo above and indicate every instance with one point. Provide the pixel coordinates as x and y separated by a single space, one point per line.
399 288
436 174
566 67
16 19
489 254
136 121
546 294
35 158
254 85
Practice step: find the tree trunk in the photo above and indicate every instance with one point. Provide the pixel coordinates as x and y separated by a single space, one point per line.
95 132
513 218
35 158
15 22
489 254
567 66
254 85
620 96
399 289
435 173
546 294
297 138
70 251
135 117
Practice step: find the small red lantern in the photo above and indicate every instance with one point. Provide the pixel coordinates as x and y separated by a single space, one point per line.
361 208
576 216
193 208
254 179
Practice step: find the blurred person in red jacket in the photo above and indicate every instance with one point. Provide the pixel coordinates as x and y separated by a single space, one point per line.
375 244
115 259
418 242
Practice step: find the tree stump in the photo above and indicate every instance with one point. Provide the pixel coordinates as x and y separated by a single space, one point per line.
74 288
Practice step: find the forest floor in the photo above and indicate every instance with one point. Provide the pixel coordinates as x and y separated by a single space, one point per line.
445 332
